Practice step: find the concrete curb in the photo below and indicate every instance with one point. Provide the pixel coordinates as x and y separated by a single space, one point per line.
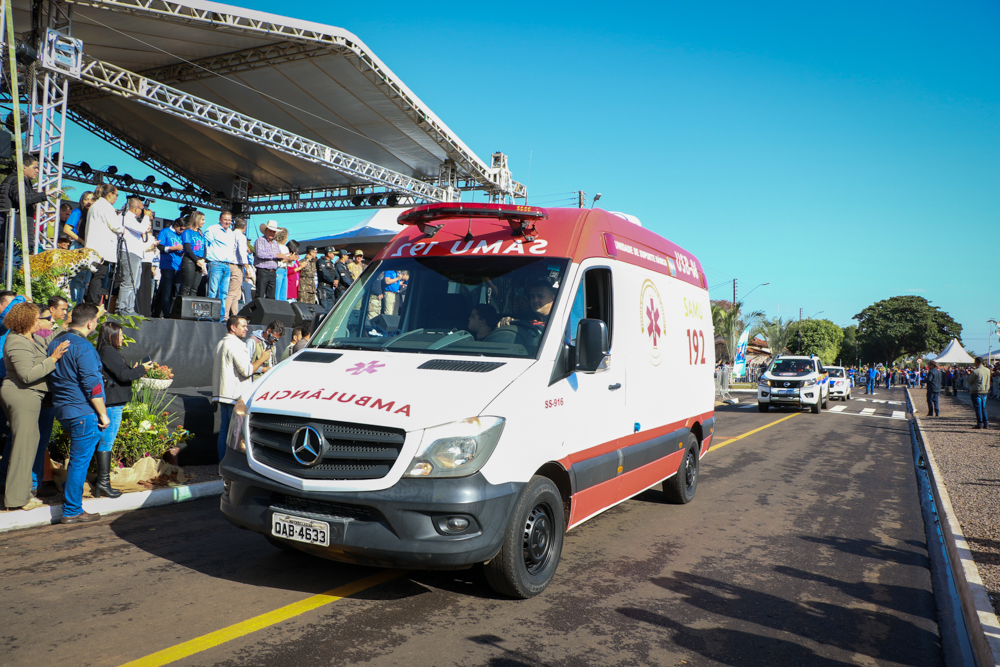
981 621
43 516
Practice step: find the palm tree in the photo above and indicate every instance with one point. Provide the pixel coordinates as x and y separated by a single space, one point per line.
776 332
730 323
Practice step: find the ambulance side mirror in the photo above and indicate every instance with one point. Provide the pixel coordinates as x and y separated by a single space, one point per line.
592 354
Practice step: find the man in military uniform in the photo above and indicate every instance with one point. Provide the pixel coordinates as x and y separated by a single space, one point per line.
307 277
357 264
326 276
344 277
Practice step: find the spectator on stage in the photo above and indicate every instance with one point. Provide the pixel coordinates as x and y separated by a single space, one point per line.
10 198
979 387
237 272
193 265
292 268
261 345
103 227
171 248
307 276
65 210
390 292
27 365
118 378
136 222
326 275
220 252
267 253
357 265
78 398
344 277
933 383
281 274
375 296
249 288
75 228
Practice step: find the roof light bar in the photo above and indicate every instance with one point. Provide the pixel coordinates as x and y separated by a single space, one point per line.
429 212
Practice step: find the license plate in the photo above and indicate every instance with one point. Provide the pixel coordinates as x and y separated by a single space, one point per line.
787 392
297 529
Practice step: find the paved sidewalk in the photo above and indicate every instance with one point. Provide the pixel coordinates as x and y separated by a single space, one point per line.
969 461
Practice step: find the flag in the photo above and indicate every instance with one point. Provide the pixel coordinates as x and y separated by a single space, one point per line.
740 361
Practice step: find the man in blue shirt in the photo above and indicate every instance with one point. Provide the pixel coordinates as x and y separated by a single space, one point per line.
391 283
872 374
220 252
77 388
171 253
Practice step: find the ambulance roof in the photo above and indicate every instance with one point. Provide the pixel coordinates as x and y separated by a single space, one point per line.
558 232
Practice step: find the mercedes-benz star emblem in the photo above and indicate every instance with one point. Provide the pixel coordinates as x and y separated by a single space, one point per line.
308 446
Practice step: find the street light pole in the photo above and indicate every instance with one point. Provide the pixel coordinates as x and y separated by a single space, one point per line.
751 291
989 353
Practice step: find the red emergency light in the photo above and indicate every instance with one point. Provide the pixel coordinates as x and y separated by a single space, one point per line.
520 218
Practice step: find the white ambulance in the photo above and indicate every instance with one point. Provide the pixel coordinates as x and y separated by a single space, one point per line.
498 375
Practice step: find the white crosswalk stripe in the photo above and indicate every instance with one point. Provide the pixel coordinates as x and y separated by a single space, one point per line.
839 408
897 414
878 401
868 411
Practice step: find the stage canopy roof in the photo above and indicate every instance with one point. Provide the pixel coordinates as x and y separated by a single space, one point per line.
213 94
954 353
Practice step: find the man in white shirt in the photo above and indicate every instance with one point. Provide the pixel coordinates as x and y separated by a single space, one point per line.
136 223
236 271
232 371
220 251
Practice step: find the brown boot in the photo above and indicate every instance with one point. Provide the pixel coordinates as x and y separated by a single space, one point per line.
82 517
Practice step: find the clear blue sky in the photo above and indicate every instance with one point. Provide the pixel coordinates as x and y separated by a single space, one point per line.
845 153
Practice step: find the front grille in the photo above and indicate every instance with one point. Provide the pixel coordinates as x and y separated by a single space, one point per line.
781 384
323 508
353 451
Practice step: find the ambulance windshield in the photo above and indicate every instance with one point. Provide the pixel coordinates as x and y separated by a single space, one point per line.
480 306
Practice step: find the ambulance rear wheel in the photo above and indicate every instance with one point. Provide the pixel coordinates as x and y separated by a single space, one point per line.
680 488
528 559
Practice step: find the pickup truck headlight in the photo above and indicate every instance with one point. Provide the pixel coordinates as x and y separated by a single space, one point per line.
808 383
235 440
764 382
457 449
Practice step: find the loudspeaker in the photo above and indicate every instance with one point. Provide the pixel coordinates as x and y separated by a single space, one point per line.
307 312
265 311
387 322
196 308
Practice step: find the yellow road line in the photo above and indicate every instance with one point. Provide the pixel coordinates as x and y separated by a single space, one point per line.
756 430
213 639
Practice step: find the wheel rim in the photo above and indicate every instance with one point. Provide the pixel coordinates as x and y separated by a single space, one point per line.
690 470
537 542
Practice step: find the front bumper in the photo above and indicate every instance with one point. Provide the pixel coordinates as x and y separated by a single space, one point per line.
840 391
395 527
803 396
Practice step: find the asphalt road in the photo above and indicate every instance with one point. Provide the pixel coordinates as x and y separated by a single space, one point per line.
804 546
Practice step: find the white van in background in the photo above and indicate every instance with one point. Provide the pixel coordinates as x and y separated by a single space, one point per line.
538 367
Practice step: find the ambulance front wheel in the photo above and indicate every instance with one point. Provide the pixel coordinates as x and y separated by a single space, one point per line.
680 488
528 559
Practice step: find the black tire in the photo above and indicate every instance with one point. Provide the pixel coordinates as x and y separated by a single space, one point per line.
824 399
816 408
528 559
680 488
762 407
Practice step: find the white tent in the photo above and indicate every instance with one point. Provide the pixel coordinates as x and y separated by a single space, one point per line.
369 235
954 354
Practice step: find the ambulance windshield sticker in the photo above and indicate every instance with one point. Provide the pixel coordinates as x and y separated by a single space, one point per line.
652 319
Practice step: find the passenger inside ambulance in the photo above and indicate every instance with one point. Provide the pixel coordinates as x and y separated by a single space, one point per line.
482 306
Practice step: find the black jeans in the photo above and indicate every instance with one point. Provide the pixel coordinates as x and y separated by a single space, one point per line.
267 282
96 280
192 277
165 297
326 296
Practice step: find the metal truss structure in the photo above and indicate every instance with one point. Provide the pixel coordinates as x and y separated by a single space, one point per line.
65 79
245 204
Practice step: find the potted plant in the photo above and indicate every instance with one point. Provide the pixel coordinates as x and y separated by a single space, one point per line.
159 377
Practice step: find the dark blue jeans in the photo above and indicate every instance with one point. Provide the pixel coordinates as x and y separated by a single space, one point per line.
979 404
226 414
870 387
932 403
83 438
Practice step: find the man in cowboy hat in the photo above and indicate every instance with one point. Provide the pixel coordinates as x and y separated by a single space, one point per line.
358 264
267 254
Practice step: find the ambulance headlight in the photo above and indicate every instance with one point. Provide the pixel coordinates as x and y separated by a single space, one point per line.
236 440
457 449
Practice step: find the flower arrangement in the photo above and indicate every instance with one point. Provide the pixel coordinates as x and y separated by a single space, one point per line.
160 372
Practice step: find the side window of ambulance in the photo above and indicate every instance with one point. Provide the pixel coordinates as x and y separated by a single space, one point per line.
592 301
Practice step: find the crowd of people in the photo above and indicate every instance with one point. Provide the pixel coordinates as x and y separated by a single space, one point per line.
146 272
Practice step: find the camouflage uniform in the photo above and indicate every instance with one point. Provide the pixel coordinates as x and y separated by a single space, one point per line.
307 281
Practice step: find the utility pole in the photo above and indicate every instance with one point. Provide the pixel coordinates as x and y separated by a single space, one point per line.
734 292
580 196
800 331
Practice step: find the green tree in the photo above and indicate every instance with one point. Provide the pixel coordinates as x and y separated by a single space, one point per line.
849 346
776 333
903 326
730 323
819 337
